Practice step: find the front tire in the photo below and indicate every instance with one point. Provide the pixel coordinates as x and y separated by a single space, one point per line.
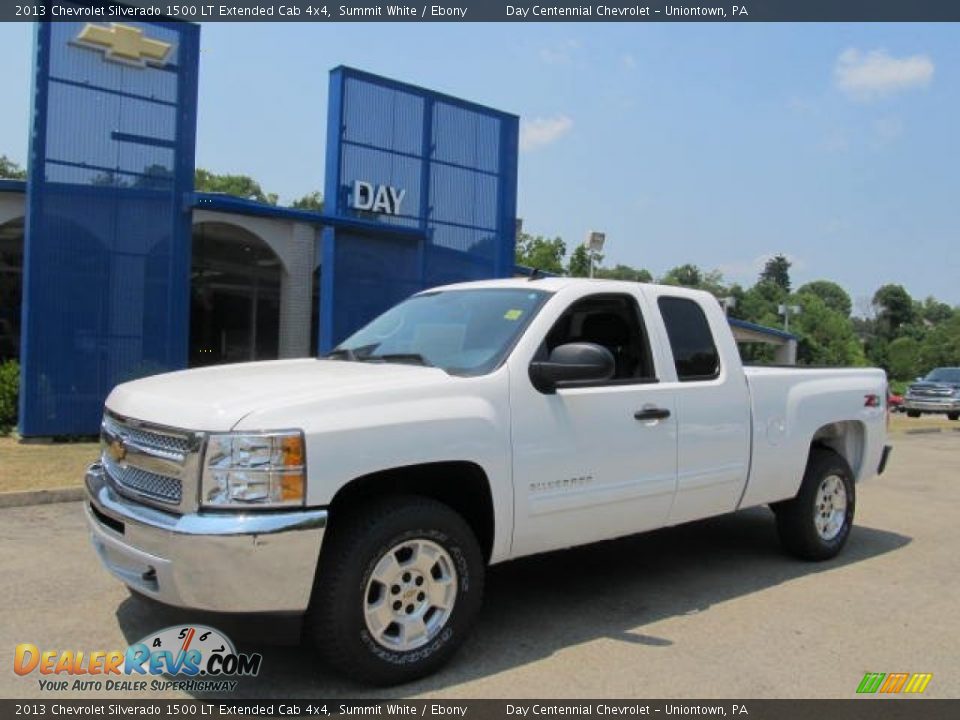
913 413
953 416
398 589
816 523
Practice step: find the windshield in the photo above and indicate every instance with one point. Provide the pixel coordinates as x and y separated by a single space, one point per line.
944 375
465 332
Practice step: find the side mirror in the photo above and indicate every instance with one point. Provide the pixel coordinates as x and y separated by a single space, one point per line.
571 365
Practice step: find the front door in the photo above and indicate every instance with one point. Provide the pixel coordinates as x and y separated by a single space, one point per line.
595 462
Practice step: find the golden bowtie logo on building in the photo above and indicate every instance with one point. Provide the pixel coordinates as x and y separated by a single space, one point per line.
124 44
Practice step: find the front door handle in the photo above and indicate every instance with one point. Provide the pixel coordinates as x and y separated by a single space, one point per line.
652 412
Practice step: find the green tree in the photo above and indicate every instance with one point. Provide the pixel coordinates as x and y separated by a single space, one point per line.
9 395
894 309
242 186
536 251
903 358
579 265
11 170
759 304
777 271
877 350
825 336
832 294
737 293
313 201
933 311
712 282
688 275
624 272
941 346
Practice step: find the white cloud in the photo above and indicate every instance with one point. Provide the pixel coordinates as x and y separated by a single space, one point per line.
539 132
865 76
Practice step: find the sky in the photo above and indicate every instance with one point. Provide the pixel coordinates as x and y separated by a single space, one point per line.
714 144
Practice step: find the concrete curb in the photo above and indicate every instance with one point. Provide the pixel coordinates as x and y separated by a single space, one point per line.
40 497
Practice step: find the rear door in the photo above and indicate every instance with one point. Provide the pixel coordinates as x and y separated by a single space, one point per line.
592 462
712 403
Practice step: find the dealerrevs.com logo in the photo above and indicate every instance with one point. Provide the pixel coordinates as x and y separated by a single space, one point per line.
197 656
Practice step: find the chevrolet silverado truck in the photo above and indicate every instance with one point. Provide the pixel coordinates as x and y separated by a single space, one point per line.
369 490
938 392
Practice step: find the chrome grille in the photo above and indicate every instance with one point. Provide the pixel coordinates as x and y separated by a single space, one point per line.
165 443
932 392
156 465
159 487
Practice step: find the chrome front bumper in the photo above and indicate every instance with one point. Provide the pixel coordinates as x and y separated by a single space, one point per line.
222 562
937 405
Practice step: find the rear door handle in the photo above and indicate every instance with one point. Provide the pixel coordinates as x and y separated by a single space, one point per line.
652 413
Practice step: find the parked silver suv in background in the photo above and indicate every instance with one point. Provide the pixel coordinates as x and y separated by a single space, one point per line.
938 392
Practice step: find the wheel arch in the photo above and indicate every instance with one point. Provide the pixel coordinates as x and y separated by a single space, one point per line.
461 485
847 438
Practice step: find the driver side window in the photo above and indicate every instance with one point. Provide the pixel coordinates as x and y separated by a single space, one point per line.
613 321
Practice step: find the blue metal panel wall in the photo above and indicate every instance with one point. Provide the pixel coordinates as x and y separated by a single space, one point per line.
107 256
457 162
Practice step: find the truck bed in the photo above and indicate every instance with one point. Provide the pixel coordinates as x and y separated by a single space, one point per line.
790 405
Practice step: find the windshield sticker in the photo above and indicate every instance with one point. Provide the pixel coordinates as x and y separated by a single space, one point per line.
512 314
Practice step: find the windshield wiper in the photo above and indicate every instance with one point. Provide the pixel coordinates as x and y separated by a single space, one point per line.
353 354
341 353
398 357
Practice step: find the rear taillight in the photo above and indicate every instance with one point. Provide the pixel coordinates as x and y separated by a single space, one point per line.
873 400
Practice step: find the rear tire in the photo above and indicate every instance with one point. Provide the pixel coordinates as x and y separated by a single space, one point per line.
816 523
913 413
398 588
953 416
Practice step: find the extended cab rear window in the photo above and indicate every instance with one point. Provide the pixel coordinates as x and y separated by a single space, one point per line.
694 351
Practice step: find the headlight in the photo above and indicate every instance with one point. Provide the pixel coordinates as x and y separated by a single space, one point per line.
254 469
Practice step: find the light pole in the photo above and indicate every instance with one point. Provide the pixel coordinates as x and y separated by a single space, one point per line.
787 311
594 244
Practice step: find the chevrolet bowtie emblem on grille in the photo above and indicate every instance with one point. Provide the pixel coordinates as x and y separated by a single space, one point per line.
118 450
124 44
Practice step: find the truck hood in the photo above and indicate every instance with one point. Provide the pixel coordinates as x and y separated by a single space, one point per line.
217 398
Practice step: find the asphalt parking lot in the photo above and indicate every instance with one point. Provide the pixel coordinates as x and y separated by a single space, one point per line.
709 609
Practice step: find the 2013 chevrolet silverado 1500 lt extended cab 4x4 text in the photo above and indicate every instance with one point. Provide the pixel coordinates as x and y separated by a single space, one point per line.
468 425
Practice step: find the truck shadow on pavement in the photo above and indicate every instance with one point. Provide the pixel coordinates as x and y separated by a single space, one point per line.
536 606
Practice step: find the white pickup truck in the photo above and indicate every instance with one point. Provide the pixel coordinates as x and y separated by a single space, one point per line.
469 425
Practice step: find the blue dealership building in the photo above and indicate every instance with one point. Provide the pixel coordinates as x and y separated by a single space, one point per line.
112 267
